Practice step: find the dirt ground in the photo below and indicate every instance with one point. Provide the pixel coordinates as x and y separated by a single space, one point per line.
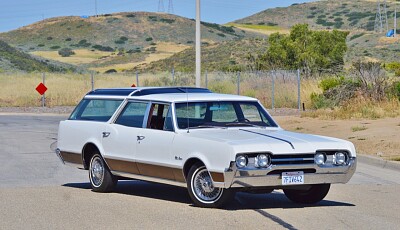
373 137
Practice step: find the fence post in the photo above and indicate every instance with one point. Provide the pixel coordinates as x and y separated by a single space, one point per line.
238 83
173 75
206 77
137 78
298 89
44 95
92 80
273 90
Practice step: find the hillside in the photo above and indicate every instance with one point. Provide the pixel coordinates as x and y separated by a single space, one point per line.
342 14
13 60
225 56
112 40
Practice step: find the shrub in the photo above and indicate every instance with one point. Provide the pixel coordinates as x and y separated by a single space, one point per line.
356 36
330 82
40 45
49 38
123 38
130 16
55 47
271 24
68 39
149 39
66 52
221 34
103 48
166 20
111 71
151 49
119 42
261 23
153 44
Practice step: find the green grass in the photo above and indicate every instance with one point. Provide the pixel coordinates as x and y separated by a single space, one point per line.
358 128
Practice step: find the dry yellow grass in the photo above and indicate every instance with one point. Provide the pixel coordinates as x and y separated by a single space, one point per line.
263 29
164 50
81 56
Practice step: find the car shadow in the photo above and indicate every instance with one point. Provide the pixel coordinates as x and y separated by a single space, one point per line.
242 201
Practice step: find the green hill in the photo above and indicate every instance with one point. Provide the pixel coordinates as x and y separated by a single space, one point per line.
342 14
225 56
116 41
12 59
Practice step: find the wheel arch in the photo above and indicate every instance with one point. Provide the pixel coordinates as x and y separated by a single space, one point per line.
88 150
189 163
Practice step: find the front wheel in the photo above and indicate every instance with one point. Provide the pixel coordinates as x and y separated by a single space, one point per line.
314 194
100 176
202 191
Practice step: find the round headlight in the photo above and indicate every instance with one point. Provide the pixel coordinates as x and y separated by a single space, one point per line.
340 158
320 158
241 161
262 160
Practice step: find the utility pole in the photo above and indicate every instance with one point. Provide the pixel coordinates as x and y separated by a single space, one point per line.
170 7
161 6
395 19
95 7
198 44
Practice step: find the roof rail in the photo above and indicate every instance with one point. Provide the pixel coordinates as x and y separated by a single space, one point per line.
138 91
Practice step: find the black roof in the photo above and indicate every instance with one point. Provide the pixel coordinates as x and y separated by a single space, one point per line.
147 91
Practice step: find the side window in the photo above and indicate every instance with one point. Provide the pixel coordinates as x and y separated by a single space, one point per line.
159 117
132 115
251 113
168 125
95 109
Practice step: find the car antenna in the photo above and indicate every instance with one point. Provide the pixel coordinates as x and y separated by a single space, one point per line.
187 109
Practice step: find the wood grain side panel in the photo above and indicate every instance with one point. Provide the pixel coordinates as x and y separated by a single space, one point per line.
123 166
156 171
75 158
178 174
217 177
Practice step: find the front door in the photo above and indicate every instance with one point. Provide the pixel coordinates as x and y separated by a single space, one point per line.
154 144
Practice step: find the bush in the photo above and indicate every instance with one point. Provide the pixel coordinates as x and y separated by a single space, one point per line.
330 82
66 52
318 101
221 35
149 39
130 16
40 45
103 48
49 38
169 21
111 71
55 47
68 39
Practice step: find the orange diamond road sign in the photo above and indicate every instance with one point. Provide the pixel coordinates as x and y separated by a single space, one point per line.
41 88
133 85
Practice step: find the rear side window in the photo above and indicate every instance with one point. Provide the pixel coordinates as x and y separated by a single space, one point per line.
95 109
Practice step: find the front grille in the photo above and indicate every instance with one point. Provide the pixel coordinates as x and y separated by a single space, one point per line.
280 171
292 159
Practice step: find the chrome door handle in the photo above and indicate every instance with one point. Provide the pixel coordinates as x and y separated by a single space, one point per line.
106 134
139 138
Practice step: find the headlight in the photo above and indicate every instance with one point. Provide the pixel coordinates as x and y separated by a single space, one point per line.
241 161
340 158
262 161
320 158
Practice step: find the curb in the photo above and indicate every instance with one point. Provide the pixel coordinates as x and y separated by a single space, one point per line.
378 162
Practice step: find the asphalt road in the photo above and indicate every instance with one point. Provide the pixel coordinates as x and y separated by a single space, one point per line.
38 192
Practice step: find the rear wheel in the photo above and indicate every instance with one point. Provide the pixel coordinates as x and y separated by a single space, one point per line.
314 194
100 176
202 191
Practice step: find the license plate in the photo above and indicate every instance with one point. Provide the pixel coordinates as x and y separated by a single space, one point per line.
292 178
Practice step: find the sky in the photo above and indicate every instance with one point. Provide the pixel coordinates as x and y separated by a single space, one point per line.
17 13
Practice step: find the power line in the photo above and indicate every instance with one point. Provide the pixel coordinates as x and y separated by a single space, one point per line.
170 7
161 6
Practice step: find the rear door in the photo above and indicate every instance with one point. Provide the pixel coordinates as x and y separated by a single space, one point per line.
120 137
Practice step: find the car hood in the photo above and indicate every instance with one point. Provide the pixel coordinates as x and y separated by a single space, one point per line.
276 141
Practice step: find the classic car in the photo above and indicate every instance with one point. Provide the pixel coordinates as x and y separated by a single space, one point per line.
212 144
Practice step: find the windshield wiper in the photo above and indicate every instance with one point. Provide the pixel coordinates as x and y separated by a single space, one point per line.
207 126
243 124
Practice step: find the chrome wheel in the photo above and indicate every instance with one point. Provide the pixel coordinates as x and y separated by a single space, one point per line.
203 188
97 171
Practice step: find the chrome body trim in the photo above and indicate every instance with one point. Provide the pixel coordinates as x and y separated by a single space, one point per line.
240 178
149 179
58 153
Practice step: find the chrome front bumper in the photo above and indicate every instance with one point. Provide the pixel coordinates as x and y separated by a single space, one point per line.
237 178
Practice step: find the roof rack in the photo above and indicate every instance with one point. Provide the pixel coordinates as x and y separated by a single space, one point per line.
146 91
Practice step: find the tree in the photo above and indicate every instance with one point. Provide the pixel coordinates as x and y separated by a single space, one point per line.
66 52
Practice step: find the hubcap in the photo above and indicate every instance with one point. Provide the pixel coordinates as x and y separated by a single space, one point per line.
97 171
203 187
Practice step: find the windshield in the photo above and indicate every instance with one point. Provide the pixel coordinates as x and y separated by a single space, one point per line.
222 114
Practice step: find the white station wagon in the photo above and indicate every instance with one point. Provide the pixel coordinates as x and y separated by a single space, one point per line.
213 144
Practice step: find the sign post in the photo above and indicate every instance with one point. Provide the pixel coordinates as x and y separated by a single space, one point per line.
41 89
